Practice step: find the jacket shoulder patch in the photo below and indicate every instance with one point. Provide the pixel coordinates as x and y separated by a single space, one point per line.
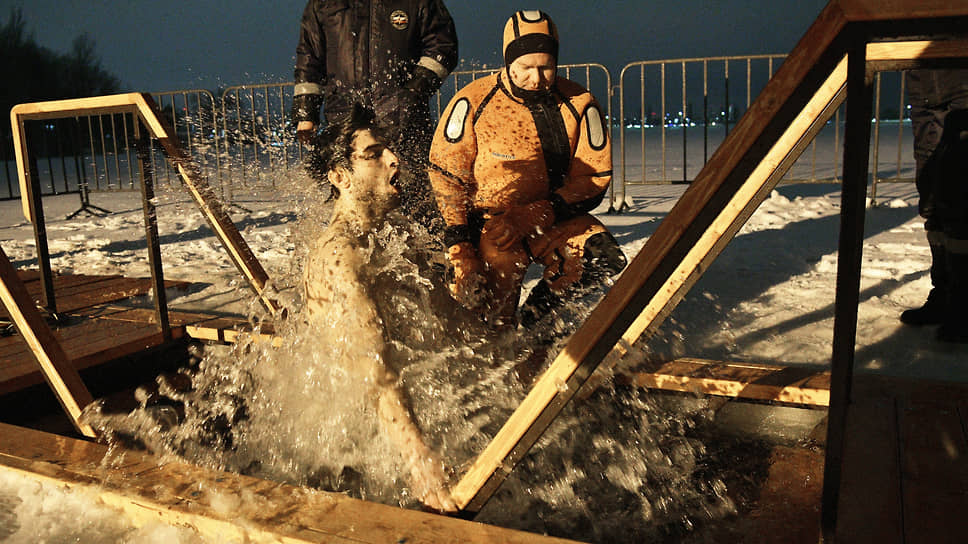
454 129
595 127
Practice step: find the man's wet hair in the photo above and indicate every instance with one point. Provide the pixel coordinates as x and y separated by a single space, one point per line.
334 145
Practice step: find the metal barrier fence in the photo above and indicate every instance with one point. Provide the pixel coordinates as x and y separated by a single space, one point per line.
694 102
665 95
672 114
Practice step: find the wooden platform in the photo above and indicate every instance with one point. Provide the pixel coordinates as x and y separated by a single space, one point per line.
905 472
98 329
223 506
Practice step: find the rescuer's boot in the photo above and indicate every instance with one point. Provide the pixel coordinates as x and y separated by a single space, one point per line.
933 310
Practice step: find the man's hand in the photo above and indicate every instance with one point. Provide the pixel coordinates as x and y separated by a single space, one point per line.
519 222
306 132
429 484
468 281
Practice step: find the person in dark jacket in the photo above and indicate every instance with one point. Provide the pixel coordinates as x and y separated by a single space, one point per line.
390 56
939 99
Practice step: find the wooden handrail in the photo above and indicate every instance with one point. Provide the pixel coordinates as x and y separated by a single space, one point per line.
142 105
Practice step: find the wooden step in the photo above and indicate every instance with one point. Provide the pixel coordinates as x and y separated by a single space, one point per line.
783 384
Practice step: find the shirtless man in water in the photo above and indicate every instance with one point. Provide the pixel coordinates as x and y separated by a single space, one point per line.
362 171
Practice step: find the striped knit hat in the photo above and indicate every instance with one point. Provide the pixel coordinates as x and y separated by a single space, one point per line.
529 31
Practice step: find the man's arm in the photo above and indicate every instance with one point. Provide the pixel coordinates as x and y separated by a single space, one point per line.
439 54
309 73
348 291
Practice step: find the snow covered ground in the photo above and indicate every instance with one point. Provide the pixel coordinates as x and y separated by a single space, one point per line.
768 298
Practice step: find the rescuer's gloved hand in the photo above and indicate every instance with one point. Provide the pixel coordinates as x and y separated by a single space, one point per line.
519 222
467 282
306 132
422 84
305 115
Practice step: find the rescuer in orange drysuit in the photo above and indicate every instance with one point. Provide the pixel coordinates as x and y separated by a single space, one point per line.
518 160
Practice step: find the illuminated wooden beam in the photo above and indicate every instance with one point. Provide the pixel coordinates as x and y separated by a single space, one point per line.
788 385
63 378
228 507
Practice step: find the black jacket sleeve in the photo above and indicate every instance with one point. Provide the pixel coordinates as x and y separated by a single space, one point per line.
310 71
439 39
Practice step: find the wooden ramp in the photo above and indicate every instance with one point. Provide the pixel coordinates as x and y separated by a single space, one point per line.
94 327
227 507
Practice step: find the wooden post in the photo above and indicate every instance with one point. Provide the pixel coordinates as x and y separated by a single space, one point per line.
57 368
856 149
143 142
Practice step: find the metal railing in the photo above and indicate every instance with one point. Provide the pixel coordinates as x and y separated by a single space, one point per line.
682 96
257 136
672 114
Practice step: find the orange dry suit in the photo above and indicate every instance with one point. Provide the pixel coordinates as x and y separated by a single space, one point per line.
493 153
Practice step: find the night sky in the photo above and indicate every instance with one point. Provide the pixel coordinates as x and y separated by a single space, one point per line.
157 46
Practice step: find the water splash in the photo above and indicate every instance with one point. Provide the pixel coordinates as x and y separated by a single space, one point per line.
619 464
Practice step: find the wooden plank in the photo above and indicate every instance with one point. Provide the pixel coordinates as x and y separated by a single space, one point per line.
75 292
787 509
229 330
147 315
739 380
60 374
934 470
857 133
102 336
89 344
35 287
66 333
224 506
761 144
870 499
917 49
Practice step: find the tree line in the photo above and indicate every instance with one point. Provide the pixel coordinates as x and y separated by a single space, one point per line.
34 73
